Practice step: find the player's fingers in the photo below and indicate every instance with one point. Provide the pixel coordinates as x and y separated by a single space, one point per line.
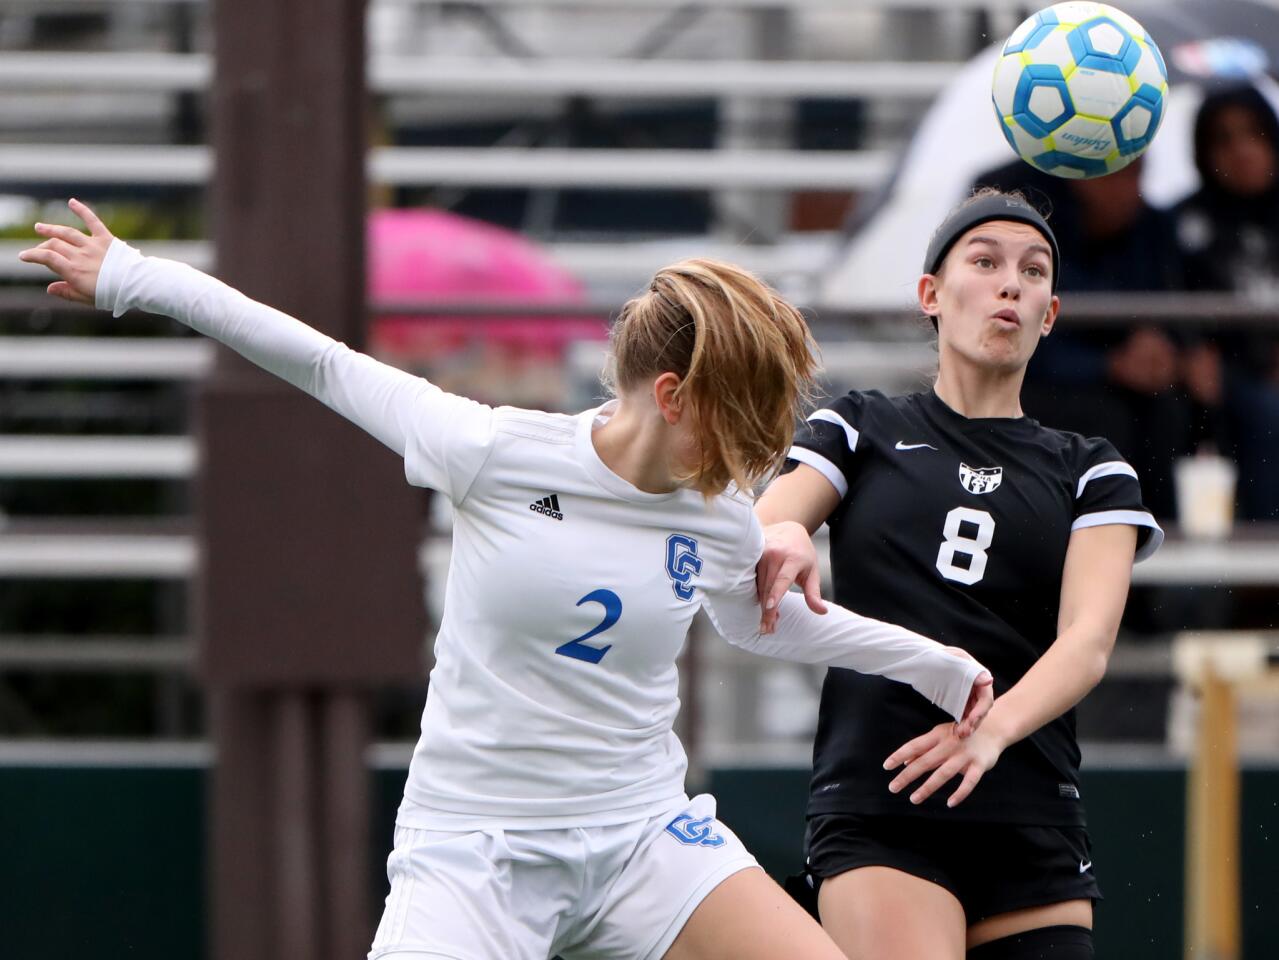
96 227
983 697
928 763
980 700
766 573
60 288
941 776
966 786
767 623
67 234
47 258
813 590
781 583
911 749
920 766
768 620
59 246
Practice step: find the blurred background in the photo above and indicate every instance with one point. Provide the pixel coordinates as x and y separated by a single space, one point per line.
531 163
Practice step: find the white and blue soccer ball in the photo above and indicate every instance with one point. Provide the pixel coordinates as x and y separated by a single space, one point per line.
1080 89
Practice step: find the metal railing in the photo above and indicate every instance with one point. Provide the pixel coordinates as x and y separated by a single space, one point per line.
192 166
98 556
400 75
171 458
98 654
100 550
746 5
105 358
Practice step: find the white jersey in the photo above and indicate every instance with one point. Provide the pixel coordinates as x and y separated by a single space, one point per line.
570 591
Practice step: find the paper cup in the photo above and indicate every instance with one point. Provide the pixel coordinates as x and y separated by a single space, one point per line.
1205 487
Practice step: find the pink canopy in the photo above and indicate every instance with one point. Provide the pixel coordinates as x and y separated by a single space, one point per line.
425 255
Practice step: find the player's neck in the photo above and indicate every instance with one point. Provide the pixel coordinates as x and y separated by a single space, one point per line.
978 394
634 445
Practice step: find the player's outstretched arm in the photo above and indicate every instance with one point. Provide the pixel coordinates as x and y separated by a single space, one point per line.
1094 588
98 268
947 676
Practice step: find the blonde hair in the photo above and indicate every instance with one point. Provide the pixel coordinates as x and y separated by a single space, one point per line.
745 357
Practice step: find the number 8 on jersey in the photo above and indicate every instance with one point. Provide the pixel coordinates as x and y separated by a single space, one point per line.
957 544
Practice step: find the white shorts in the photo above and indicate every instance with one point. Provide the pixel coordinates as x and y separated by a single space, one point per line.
617 892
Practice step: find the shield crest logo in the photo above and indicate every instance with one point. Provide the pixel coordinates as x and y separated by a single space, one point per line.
980 479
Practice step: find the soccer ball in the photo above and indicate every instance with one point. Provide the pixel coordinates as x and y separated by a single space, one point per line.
1079 89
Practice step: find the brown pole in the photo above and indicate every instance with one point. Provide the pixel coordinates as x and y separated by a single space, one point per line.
346 825
309 596
294 815
242 878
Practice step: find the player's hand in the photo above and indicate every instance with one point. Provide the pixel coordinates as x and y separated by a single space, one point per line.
74 256
947 756
789 557
980 698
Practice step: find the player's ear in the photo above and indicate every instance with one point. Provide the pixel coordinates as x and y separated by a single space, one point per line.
927 293
1050 318
665 394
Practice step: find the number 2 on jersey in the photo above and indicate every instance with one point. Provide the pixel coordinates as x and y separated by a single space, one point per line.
973 547
578 648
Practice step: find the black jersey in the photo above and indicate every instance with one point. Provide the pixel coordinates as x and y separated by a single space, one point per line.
956 528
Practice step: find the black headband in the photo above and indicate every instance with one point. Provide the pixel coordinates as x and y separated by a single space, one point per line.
1001 207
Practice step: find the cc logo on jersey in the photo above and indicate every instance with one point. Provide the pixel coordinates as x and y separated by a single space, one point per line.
694 833
682 564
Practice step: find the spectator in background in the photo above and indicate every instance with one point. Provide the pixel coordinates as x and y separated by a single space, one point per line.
1228 231
1123 382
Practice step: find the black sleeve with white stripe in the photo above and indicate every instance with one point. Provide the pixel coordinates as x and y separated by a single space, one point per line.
1108 491
827 441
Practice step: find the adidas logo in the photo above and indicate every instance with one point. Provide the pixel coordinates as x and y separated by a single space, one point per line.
548 507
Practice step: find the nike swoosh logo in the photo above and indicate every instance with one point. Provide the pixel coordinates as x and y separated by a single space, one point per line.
913 446
1085 867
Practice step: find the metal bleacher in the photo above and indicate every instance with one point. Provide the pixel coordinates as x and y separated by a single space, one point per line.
95 412
91 107
141 60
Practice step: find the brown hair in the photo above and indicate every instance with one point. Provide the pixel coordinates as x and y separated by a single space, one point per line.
745 357
979 194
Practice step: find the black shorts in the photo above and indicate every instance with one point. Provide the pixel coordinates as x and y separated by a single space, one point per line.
991 868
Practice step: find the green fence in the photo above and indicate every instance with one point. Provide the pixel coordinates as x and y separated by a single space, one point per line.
109 862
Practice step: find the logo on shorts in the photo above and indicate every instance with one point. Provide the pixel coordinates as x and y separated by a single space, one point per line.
694 833
980 479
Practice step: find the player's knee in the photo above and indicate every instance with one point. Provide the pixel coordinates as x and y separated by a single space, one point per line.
1057 943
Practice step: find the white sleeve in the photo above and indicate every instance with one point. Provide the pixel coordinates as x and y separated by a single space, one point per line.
841 638
443 438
